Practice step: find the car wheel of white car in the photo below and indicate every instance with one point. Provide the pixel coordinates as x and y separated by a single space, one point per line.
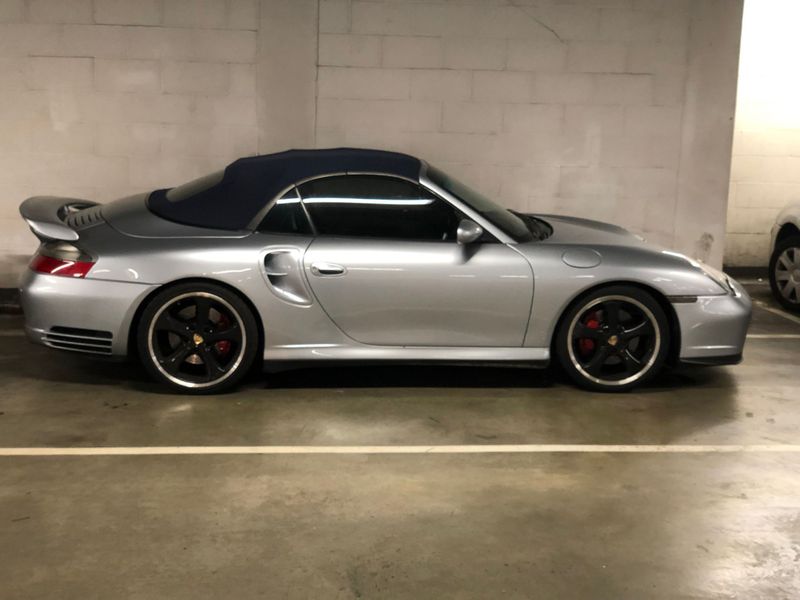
197 338
784 273
613 339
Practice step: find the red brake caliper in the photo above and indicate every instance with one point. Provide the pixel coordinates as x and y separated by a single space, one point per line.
223 346
586 345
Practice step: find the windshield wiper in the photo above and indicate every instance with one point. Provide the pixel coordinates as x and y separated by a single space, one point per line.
538 228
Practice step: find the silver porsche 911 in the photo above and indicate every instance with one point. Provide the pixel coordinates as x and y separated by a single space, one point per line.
312 256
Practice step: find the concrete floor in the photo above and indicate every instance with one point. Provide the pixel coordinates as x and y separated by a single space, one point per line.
536 525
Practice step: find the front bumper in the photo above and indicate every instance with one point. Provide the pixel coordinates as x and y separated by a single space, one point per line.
714 328
80 314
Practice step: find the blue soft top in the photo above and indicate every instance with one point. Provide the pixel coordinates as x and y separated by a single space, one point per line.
249 183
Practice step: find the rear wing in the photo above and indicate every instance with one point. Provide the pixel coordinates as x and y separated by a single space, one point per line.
48 216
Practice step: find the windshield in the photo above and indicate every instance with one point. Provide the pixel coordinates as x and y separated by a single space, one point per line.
502 218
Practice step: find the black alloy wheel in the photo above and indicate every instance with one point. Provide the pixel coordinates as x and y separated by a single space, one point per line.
197 338
613 339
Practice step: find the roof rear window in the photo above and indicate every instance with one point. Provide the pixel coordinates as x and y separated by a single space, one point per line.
194 187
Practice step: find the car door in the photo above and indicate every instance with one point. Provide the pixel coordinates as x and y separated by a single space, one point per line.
387 269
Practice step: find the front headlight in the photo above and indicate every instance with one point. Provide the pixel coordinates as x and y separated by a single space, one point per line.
721 279
718 277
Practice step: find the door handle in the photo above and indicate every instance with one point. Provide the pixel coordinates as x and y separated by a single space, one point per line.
321 269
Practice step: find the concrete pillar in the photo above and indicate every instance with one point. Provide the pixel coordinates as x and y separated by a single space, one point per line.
707 129
286 66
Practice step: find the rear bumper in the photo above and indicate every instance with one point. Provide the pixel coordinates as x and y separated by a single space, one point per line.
714 328
82 315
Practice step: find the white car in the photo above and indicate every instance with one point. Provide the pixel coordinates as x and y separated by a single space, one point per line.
784 263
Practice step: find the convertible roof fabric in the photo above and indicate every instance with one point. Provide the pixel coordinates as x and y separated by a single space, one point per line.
249 183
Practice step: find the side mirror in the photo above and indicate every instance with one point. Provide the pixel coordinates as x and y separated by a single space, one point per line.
468 232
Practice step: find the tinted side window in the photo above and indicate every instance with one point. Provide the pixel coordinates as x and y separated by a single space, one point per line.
378 207
286 216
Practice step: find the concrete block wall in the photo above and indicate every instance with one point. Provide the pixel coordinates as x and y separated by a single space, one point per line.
103 98
765 177
599 108
618 110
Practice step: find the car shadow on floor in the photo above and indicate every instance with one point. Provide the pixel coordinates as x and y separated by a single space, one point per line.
467 376
416 376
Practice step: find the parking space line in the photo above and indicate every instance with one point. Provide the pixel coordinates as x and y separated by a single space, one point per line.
775 311
440 449
773 336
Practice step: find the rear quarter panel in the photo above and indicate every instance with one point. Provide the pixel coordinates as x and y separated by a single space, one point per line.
232 261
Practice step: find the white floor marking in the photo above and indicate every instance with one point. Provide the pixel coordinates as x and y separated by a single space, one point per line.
775 311
444 449
773 336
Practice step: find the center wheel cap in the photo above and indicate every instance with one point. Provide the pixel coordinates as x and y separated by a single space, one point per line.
197 339
613 340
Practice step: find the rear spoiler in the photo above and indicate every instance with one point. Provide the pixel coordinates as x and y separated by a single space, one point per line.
47 216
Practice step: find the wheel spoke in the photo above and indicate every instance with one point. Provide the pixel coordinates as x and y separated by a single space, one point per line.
213 368
786 290
167 322
203 311
583 331
632 364
643 328
231 333
785 261
611 311
179 354
782 275
597 361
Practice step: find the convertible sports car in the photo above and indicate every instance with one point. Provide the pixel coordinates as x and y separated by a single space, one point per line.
363 255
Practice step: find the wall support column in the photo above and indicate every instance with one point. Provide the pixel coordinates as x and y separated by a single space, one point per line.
286 72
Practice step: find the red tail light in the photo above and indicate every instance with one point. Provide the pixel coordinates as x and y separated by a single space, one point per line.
60 266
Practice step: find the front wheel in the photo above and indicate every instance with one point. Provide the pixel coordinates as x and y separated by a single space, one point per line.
197 338
613 339
784 273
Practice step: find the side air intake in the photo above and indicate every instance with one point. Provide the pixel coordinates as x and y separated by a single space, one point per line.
79 340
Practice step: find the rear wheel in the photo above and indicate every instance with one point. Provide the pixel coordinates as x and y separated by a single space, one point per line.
613 339
197 338
784 273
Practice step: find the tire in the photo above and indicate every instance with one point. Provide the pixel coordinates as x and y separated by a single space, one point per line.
613 339
784 273
197 338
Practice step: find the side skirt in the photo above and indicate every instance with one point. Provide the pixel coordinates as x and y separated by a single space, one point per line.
305 353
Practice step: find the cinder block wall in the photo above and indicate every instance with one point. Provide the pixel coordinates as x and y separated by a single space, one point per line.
619 110
765 177
103 98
